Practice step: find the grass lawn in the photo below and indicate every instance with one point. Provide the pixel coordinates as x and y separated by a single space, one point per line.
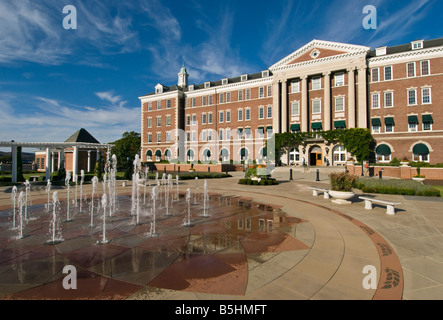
440 188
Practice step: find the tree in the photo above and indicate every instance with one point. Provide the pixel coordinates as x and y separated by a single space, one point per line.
125 150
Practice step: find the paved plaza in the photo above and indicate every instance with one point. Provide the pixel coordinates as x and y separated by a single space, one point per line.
258 243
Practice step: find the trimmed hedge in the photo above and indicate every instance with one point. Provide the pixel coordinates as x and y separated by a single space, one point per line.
263 182
399 187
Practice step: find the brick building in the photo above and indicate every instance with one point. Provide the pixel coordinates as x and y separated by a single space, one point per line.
394 91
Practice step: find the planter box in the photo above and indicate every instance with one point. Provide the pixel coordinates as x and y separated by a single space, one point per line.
341 197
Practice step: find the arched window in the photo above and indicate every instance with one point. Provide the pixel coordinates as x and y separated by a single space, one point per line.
339 154
243 154
168 155
158 155
420 153
149 155
224 153
206 155
190 155
294 156
383 152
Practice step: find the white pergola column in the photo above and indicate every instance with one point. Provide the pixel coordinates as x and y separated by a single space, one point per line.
48 164
52 162
75 161
89 161
14 164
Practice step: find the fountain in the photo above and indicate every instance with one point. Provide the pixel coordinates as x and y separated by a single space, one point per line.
82 179
168 188
136 182
205 200
146 182
94 188
54 226
177 194
104 205
187 223
68 185
75 180
195 190
27 197
154 194
48 191
21 203
14 200
137 169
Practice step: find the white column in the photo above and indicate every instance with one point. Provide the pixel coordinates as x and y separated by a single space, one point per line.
89 160
362 98
351 98
284 107
62 162
275 107
48 164
14 164
304 104
75 161
327 103
52 161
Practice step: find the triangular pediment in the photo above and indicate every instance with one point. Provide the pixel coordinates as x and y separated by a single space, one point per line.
319 50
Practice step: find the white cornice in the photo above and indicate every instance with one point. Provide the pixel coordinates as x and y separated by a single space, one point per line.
435 52
230 86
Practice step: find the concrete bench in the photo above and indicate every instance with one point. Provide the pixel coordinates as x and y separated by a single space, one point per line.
390 206
316 191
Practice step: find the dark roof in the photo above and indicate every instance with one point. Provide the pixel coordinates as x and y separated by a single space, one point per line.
218 83
82 136
407 47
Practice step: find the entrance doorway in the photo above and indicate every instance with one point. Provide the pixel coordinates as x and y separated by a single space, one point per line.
316 156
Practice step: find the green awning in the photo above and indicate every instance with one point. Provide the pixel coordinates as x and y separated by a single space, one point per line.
376 122
167 153
295 127
383 149
158 153
390 120
190 153
412 119
427 118
149 153
339 124
261 129
316 125
420 149
239 130
269 128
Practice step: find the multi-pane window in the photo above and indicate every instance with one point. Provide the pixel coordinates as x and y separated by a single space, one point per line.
269 91
295 108
168 136
228 116
412 127
210 100
375 128
203 118
220 134
389 99
168 120
427 126
339 153
149 122
261 92
412 97
168 104
194 102
316 83
375 100
410 69
221 97
149 106
269 112
388 73
221 115
159 121
228 97
240 115
159 137
188 120
339 79
295 86
203 101
375 75
149 137
228 134
261 112
194 119
247 94
159 105
425 70
426 95
339 104
248 114
316 106
240 95
203 135
210 118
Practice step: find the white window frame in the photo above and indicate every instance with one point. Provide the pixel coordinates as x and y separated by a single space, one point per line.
295 86
343 104
204 118
149 122
159 121
159 105
269 112
168 104
261 113
375 103
341 153
316 83
240 95
392 99
228 116
412 127
159 137
391 126
409 97
314 106
269 91
221 97
248 94
295 108
423 95
375 75
430 126
240 115
228 97
221 116
247 114
408 75
210 118
428 68
168 120
339 79
261 92
390 73
375 128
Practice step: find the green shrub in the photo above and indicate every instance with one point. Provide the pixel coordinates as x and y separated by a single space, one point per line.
399 187
342 181
263 182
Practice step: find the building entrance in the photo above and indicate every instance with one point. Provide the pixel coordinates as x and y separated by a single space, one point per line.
316 156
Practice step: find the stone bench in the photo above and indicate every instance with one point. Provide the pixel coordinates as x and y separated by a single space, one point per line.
316 191
390 206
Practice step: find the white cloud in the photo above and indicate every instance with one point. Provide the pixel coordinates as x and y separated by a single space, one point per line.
111 97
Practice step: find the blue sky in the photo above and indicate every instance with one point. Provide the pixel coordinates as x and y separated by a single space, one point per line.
54 81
